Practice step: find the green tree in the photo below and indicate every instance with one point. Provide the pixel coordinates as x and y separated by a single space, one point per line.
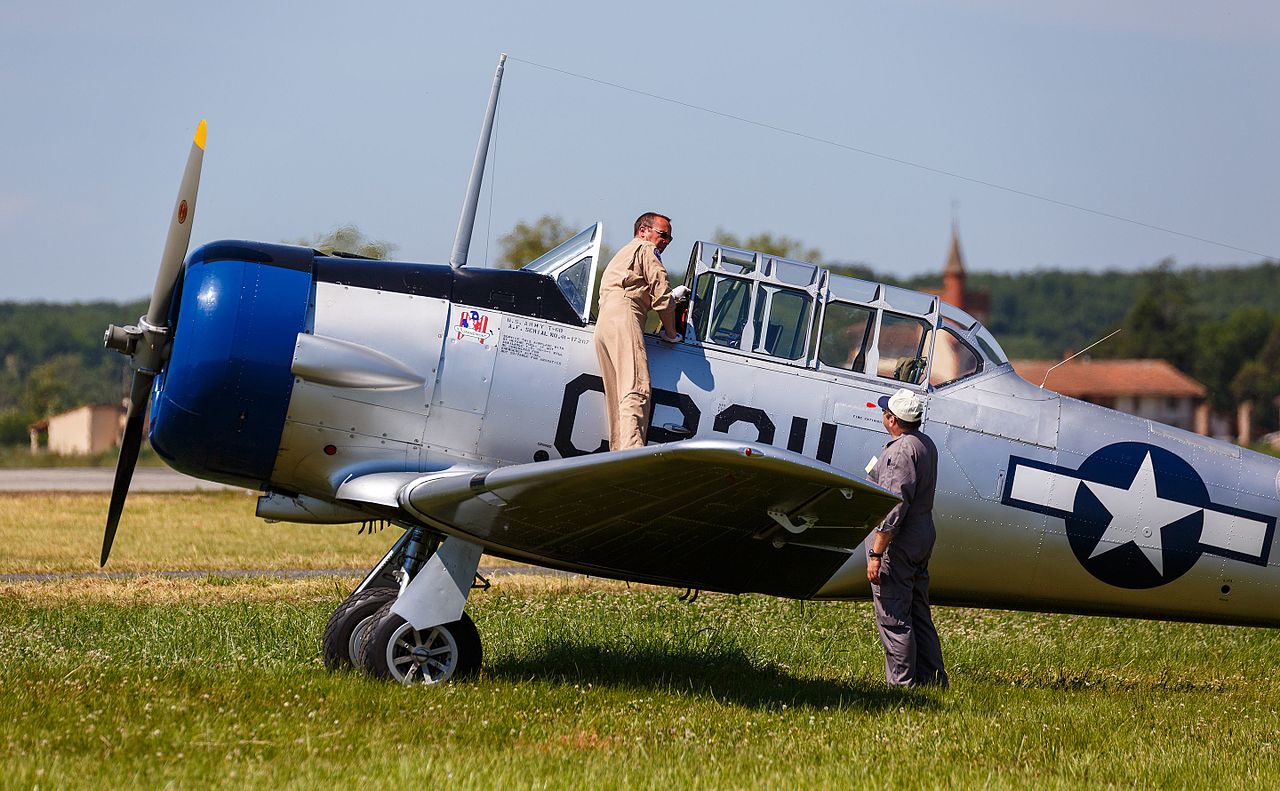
528 240
349 239
13 426
1259 381
55 385
1162 323
766 242
1223 348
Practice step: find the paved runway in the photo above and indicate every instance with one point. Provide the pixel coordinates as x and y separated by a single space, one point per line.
485 571
99 479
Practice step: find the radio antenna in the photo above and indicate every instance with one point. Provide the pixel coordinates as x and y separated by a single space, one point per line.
462 240
1072 357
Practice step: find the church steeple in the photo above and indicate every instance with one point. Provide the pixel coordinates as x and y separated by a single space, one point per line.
953 273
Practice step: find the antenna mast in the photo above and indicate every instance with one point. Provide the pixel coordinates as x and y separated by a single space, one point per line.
1072 357
462 240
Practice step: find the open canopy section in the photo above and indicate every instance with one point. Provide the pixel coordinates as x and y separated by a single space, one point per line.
572 265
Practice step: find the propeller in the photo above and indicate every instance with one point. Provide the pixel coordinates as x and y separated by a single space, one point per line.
147 343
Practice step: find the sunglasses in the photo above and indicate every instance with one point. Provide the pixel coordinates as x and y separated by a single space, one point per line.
662 234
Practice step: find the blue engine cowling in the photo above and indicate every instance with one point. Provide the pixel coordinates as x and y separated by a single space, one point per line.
219 406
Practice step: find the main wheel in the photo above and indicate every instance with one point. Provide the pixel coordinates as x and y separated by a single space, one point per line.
346 627
393 649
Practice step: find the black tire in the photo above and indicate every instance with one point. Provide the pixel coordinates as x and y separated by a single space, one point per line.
394 650
343 632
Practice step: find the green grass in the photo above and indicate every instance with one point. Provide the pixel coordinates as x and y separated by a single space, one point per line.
617 688
149 682
62 532
20 456
206 530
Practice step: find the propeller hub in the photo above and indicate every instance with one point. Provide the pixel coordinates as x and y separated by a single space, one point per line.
122 339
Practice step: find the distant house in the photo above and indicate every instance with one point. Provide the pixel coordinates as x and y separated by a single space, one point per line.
84 430
1152 389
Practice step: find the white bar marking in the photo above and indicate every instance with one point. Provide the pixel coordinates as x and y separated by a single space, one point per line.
1233 533
1045 488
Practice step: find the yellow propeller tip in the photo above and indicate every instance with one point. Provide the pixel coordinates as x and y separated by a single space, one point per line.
200 134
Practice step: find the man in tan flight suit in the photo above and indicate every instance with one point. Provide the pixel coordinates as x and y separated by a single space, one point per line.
634 283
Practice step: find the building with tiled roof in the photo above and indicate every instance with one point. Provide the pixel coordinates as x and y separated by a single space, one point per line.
1152 389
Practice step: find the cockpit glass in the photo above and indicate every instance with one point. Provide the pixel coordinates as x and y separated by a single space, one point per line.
953 359
990 347
573 283
740 262
721 313
795 273
902 348
781 321
957 317
553 259
846 333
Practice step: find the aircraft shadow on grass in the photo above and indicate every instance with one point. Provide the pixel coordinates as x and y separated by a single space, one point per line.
725 674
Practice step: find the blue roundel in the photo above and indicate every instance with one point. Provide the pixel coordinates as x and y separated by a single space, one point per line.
1158 553
1138 515
218 409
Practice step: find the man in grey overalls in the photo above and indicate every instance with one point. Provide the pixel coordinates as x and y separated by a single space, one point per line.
898 550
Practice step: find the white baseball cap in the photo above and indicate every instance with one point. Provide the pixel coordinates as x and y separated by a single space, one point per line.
904 404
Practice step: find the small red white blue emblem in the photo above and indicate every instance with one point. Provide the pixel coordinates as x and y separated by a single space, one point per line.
472 324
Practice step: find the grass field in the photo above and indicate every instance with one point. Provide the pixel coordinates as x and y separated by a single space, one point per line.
149 681
20 456
208 530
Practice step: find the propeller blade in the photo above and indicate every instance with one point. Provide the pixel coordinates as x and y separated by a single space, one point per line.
129 447
176 243
147 346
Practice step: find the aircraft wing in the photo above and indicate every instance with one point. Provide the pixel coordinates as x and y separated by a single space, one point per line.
715 514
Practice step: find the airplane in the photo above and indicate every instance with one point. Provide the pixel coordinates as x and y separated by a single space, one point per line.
464 406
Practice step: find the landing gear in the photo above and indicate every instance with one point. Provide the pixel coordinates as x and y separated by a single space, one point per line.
393 649
348 624
428 638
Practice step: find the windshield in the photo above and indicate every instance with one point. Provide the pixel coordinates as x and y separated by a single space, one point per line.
572 265
553 259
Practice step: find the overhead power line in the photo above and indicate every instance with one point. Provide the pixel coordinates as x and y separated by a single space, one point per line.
896 160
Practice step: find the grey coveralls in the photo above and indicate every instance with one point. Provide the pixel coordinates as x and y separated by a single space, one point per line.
912 652
633 284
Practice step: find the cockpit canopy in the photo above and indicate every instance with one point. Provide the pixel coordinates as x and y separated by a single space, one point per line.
801 314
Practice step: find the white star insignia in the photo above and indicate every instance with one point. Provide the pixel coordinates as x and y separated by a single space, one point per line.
1138 515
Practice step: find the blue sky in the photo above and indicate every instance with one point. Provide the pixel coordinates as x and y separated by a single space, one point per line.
326 113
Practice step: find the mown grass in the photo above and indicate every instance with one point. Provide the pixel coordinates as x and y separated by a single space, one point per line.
587 686
216 681
207 530
20 456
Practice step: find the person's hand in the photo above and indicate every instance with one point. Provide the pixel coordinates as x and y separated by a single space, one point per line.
680 293
873 571
672 338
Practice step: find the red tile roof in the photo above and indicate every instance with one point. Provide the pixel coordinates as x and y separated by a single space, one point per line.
1084 378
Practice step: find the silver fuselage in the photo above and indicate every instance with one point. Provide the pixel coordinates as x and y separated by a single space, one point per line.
501 389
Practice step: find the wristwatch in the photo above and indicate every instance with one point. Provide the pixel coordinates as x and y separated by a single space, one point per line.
875 554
